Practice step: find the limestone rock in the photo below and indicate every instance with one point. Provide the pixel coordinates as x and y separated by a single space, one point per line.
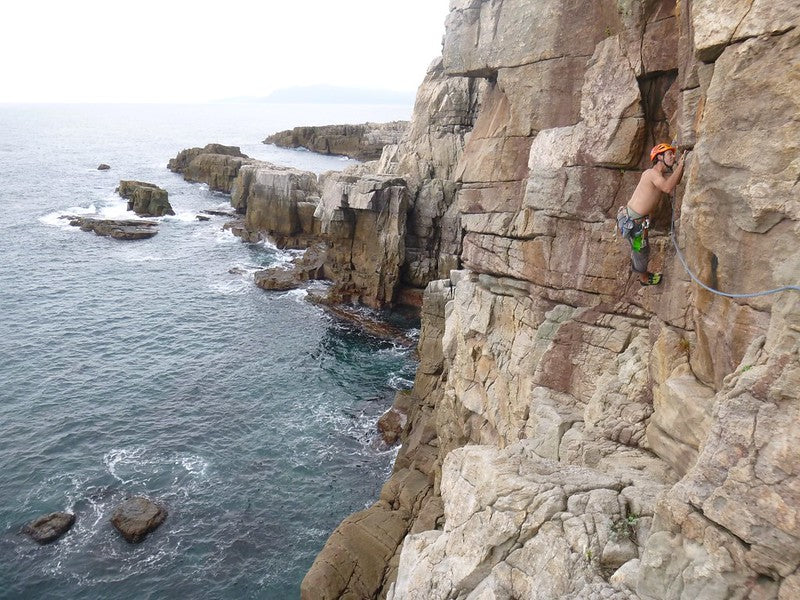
48 528
145 199
362 142
136 517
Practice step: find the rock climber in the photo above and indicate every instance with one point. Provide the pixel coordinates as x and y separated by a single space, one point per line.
634 219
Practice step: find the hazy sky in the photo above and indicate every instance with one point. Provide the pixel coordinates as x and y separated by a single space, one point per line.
187 51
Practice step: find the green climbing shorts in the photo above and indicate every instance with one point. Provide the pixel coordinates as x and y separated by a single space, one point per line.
632 226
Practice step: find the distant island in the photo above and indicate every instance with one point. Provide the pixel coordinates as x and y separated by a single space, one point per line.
330 94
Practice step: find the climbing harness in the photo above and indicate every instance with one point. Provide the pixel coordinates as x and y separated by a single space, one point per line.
795 288
633 229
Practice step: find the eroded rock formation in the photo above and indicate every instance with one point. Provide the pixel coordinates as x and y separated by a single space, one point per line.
362 142
215 165
145 199
120 229
572 434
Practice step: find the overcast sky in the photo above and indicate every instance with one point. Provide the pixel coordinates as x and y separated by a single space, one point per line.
194 51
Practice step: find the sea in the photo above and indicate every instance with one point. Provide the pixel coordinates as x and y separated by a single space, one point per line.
156 367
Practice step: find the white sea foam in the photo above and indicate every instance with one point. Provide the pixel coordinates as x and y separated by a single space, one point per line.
54 219
398 382
298 295
281 256
224 236
182 217
234 287
194 465
120 457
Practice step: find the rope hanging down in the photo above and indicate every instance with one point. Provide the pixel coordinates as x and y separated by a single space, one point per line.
784 288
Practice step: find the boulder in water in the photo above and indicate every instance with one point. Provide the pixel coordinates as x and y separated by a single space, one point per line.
136 517
49 528
103 167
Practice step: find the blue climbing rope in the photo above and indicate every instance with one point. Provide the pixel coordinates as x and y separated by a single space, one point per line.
784 288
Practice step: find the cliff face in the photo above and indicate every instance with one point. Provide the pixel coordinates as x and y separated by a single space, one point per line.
570 433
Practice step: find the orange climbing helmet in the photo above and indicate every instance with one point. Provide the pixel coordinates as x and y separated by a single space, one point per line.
660 149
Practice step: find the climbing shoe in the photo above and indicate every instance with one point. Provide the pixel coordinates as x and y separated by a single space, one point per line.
652 279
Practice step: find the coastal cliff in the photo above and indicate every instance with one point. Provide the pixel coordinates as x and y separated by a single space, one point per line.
569 433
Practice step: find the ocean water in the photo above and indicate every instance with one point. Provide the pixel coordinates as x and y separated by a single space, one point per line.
156 367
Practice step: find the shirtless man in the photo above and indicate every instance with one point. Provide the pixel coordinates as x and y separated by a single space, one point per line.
633 219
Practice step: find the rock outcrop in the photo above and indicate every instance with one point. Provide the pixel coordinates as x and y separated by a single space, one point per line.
120 229
145 199
572 435
136 517
362 142
303 268
48 528
215 165
364 220
278 202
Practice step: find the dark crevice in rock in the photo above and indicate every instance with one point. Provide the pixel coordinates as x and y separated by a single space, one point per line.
700 511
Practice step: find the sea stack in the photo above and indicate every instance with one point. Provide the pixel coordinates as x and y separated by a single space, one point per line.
145 199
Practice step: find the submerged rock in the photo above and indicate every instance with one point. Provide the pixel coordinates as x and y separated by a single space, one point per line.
145 199
124 229
391 425
49 528
136 517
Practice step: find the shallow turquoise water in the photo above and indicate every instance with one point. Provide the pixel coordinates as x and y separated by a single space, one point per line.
149 368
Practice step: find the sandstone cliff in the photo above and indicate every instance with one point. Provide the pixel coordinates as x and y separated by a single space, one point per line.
570 434
362 142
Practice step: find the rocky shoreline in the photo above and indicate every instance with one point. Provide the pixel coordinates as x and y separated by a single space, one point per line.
569 434
361 142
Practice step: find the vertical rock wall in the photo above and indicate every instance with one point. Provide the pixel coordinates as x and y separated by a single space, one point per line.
573 434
